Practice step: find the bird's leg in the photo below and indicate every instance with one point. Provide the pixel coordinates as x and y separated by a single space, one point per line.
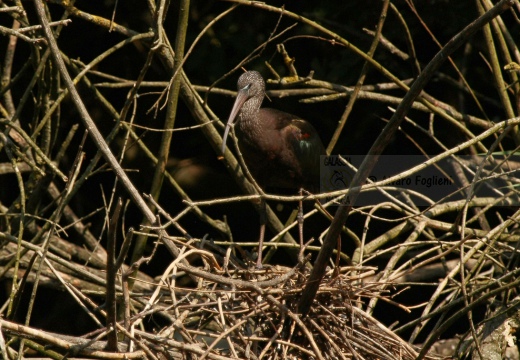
263 220
300 224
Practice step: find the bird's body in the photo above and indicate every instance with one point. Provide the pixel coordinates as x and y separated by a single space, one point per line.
279 149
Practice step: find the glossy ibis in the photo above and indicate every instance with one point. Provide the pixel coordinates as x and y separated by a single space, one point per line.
280 150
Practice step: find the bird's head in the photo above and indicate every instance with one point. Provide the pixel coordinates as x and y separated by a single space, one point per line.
250 85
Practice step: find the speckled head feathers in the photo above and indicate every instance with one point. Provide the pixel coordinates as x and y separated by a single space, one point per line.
252 82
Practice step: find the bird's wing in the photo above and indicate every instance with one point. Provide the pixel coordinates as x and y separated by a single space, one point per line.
307 146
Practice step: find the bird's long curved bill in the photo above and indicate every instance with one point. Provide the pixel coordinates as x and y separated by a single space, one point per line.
239 101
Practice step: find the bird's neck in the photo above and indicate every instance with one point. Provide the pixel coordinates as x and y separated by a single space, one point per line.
250 124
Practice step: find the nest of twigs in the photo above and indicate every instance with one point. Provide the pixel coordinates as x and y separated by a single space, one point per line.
226 312
261 320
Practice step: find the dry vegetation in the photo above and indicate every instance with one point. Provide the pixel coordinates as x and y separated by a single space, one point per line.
122 240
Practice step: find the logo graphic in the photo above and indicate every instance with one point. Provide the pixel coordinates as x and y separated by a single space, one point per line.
338 180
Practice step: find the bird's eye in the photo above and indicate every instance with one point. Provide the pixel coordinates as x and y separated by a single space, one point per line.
247 87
